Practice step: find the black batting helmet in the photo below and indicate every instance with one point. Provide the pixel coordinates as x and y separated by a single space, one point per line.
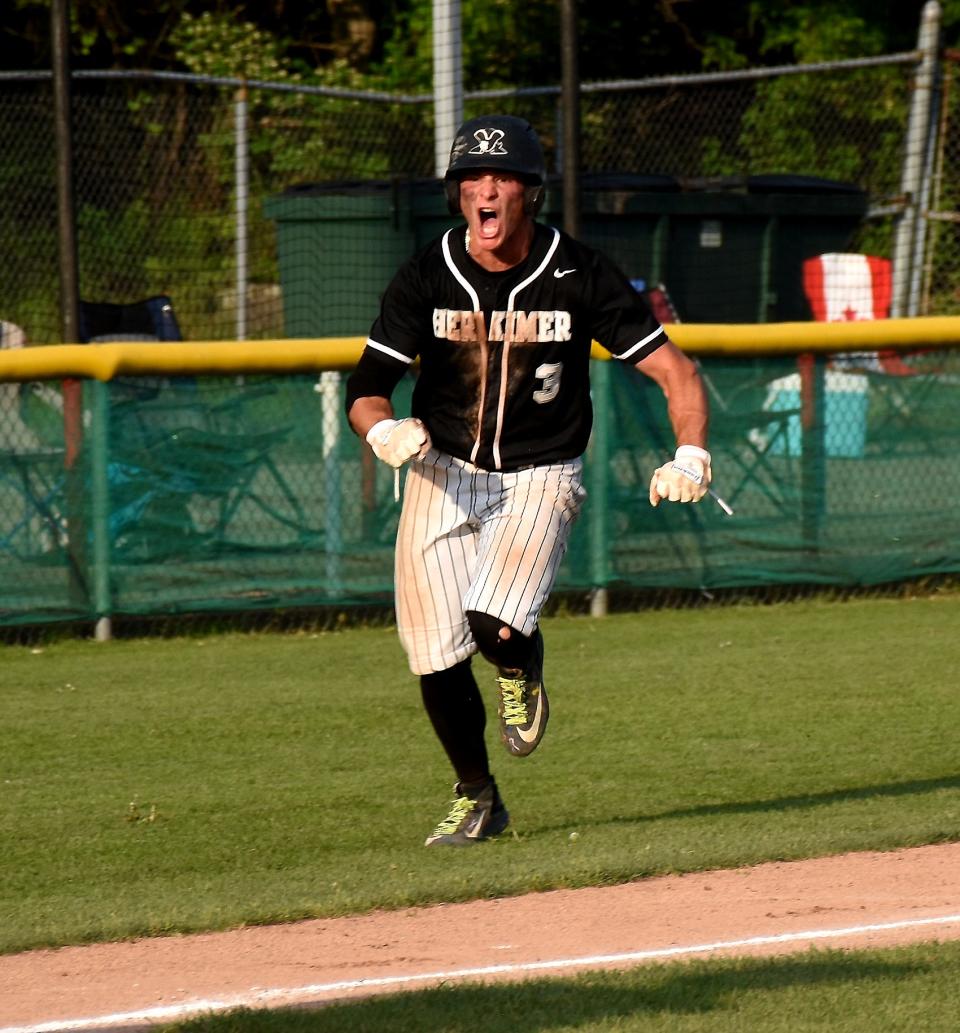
500 142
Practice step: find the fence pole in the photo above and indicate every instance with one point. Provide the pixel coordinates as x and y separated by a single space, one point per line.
813 468
914 159
570 94
447 79
947 73
330 408
569 134
100 508
598 478
925 191
69 297
242 165
66 220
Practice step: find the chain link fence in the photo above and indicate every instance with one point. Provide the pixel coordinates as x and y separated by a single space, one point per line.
174 174
263 211
220 495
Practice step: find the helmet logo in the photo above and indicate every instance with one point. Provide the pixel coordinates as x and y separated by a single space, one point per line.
489 141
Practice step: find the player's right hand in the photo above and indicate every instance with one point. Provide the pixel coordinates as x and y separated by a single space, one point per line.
396 441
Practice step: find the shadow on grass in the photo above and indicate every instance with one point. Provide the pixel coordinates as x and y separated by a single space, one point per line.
782 803
544 1005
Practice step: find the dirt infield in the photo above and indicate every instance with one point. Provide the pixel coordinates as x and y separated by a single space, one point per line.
848 901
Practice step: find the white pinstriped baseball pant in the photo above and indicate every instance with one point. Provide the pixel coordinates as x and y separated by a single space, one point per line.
470 539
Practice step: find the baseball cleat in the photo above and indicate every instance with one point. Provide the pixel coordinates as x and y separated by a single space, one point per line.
523 706
474 815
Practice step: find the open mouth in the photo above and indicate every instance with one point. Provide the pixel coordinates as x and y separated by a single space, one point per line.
489 223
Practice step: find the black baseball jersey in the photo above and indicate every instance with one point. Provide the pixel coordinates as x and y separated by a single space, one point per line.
504 357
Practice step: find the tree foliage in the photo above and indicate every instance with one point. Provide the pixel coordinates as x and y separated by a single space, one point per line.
387 45
505 41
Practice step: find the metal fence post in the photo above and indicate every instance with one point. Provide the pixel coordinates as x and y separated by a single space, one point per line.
447 79
100 507
925 193
328 388
570 99
598 472
813 471
242 167
914 160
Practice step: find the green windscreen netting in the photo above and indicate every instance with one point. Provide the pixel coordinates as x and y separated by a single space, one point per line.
160 496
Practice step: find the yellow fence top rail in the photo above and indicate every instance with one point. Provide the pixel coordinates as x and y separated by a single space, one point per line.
313 355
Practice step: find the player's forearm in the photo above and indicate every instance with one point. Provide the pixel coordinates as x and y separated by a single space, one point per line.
367 411
688 410
680 380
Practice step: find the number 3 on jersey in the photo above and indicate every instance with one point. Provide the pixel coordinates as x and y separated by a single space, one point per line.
549 373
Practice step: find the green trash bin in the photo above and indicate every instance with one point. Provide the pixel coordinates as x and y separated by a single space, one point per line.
736 254
625 216
728 250
339 245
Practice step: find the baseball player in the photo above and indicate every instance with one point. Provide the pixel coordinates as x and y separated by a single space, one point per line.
501 312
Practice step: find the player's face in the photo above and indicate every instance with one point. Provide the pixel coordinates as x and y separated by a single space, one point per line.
500 230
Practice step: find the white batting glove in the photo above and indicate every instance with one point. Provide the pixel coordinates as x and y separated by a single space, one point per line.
686 479
396 441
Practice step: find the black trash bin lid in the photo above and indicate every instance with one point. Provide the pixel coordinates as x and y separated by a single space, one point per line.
767 183
362 187
633 181
791 183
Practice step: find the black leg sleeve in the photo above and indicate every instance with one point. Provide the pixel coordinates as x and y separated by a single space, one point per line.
512 652
455 708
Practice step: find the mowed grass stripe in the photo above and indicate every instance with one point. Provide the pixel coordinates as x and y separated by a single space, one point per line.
898 991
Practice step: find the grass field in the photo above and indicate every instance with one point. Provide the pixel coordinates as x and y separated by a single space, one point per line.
151 786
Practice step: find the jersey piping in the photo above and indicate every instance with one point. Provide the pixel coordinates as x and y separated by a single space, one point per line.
639 344
484 344
460 278
377 346
505 362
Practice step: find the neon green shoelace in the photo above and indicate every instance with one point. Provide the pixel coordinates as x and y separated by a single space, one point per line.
459 810
513 691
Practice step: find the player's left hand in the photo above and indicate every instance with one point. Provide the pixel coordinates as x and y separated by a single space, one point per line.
685 479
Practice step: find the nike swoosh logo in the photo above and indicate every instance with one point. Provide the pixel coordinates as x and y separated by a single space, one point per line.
474 828
534 730
560 273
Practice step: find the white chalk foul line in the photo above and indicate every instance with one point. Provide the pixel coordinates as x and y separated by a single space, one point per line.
315 990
